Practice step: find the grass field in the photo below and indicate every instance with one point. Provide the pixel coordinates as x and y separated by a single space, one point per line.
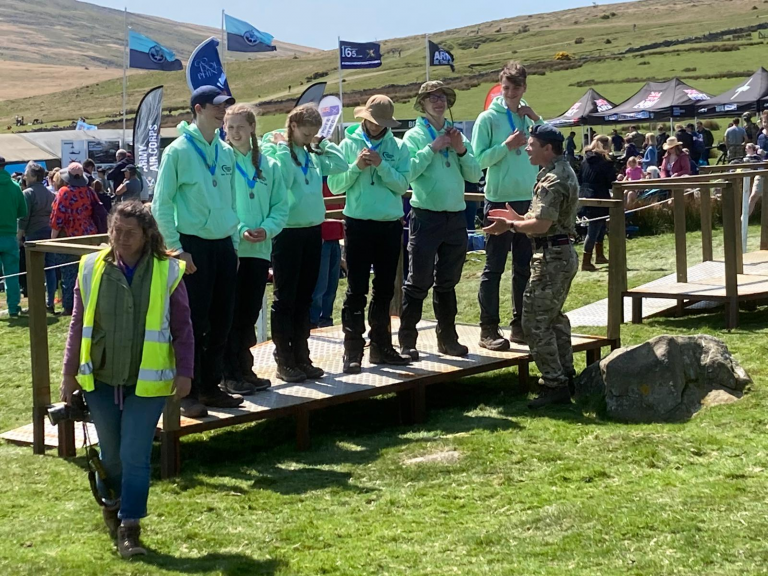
507 492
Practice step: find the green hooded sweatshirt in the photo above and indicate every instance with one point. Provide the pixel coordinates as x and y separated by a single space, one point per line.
186 201
267 208
374 193
510 176
306 206
436 186
12 204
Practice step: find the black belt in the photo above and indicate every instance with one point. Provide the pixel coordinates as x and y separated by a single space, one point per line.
556 240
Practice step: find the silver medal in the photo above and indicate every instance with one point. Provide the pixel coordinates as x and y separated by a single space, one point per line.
306 180
518 152
215 183
447 164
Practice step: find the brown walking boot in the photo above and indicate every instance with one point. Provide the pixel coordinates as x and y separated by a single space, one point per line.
599 255
586 263
128 543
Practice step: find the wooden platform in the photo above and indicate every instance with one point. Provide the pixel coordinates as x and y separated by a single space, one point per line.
326 345
706 283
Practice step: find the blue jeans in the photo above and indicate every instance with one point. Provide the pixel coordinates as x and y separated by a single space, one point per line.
68 277
125 440
50 260
9 264
595 234
321 312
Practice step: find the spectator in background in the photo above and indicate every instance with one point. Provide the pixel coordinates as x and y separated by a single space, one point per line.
637 137
735 140
71 215
596 177
633 170
762 141
707 138
116 175
617 141
324 296
131 187
630 150
684 137
89 167
661 137
751 129
101 176
104 198
697 150
36 225
651 153
676 162
570 145
12 207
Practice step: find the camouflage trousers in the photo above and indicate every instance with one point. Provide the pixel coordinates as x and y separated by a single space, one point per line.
547 329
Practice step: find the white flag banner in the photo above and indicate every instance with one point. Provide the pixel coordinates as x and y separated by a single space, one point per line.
330 110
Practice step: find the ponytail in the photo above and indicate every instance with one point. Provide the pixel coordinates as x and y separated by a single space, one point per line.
304 115
249 112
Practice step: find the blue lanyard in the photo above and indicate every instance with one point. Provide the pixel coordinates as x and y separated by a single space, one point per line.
305 168
512 121
368 142
433 134
251 181
211 168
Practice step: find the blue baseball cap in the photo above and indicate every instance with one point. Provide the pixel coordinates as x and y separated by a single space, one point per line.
547 134
210 95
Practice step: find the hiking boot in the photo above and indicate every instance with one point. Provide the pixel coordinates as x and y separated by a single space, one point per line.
109 513
388 355
219 399
411 352
290 373
453 348
518 335
586 263
51 310
549 396
353 363
599 254
312 372
192 408
259 384
128 543
237 386
491 339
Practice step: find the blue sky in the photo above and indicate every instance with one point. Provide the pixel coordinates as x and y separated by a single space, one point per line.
317 23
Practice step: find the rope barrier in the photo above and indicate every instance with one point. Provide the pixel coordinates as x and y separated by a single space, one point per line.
583 221
49 268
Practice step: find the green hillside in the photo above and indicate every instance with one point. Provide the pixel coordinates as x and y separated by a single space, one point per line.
535 40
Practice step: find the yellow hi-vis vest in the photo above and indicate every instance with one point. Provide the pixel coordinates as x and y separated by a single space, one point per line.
158 361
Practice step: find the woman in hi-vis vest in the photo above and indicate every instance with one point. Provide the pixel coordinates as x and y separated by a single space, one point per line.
130 346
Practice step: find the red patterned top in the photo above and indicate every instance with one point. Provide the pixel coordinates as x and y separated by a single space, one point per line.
72 211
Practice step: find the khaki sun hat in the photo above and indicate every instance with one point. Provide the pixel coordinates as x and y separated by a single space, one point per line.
671 143
380 110
431 87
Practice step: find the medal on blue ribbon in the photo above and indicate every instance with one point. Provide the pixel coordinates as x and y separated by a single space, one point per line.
433 134
211 168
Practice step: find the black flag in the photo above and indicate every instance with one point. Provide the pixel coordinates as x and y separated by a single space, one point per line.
440 56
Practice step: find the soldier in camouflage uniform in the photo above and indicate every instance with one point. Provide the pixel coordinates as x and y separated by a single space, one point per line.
549 223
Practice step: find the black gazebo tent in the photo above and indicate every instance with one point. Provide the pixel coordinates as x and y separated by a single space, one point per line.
583 111
749 96
658 100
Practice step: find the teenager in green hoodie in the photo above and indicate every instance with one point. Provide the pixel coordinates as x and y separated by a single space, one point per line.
304 158
195 209
375 182
441 162
499 138
262 207
12 207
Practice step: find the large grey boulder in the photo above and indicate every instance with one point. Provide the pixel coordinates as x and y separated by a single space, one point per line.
668 378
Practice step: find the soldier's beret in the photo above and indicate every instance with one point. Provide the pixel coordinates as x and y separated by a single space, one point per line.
547 134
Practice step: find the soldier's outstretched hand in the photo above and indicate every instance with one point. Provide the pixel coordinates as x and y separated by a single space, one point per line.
496 227
508 215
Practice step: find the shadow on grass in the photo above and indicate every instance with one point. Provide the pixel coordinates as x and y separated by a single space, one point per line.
711 321
263 455
22 321
226 564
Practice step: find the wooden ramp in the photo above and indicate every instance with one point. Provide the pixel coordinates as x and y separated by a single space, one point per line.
326 345
705 282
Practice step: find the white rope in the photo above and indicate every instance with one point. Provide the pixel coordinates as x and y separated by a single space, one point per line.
583 221
49 268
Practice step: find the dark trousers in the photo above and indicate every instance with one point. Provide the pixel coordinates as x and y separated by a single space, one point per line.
496 250
437 246
378 244
211 292
295 264
251 282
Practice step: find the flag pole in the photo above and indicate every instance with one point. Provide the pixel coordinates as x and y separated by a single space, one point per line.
341 98
426 44
223 45
125 75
